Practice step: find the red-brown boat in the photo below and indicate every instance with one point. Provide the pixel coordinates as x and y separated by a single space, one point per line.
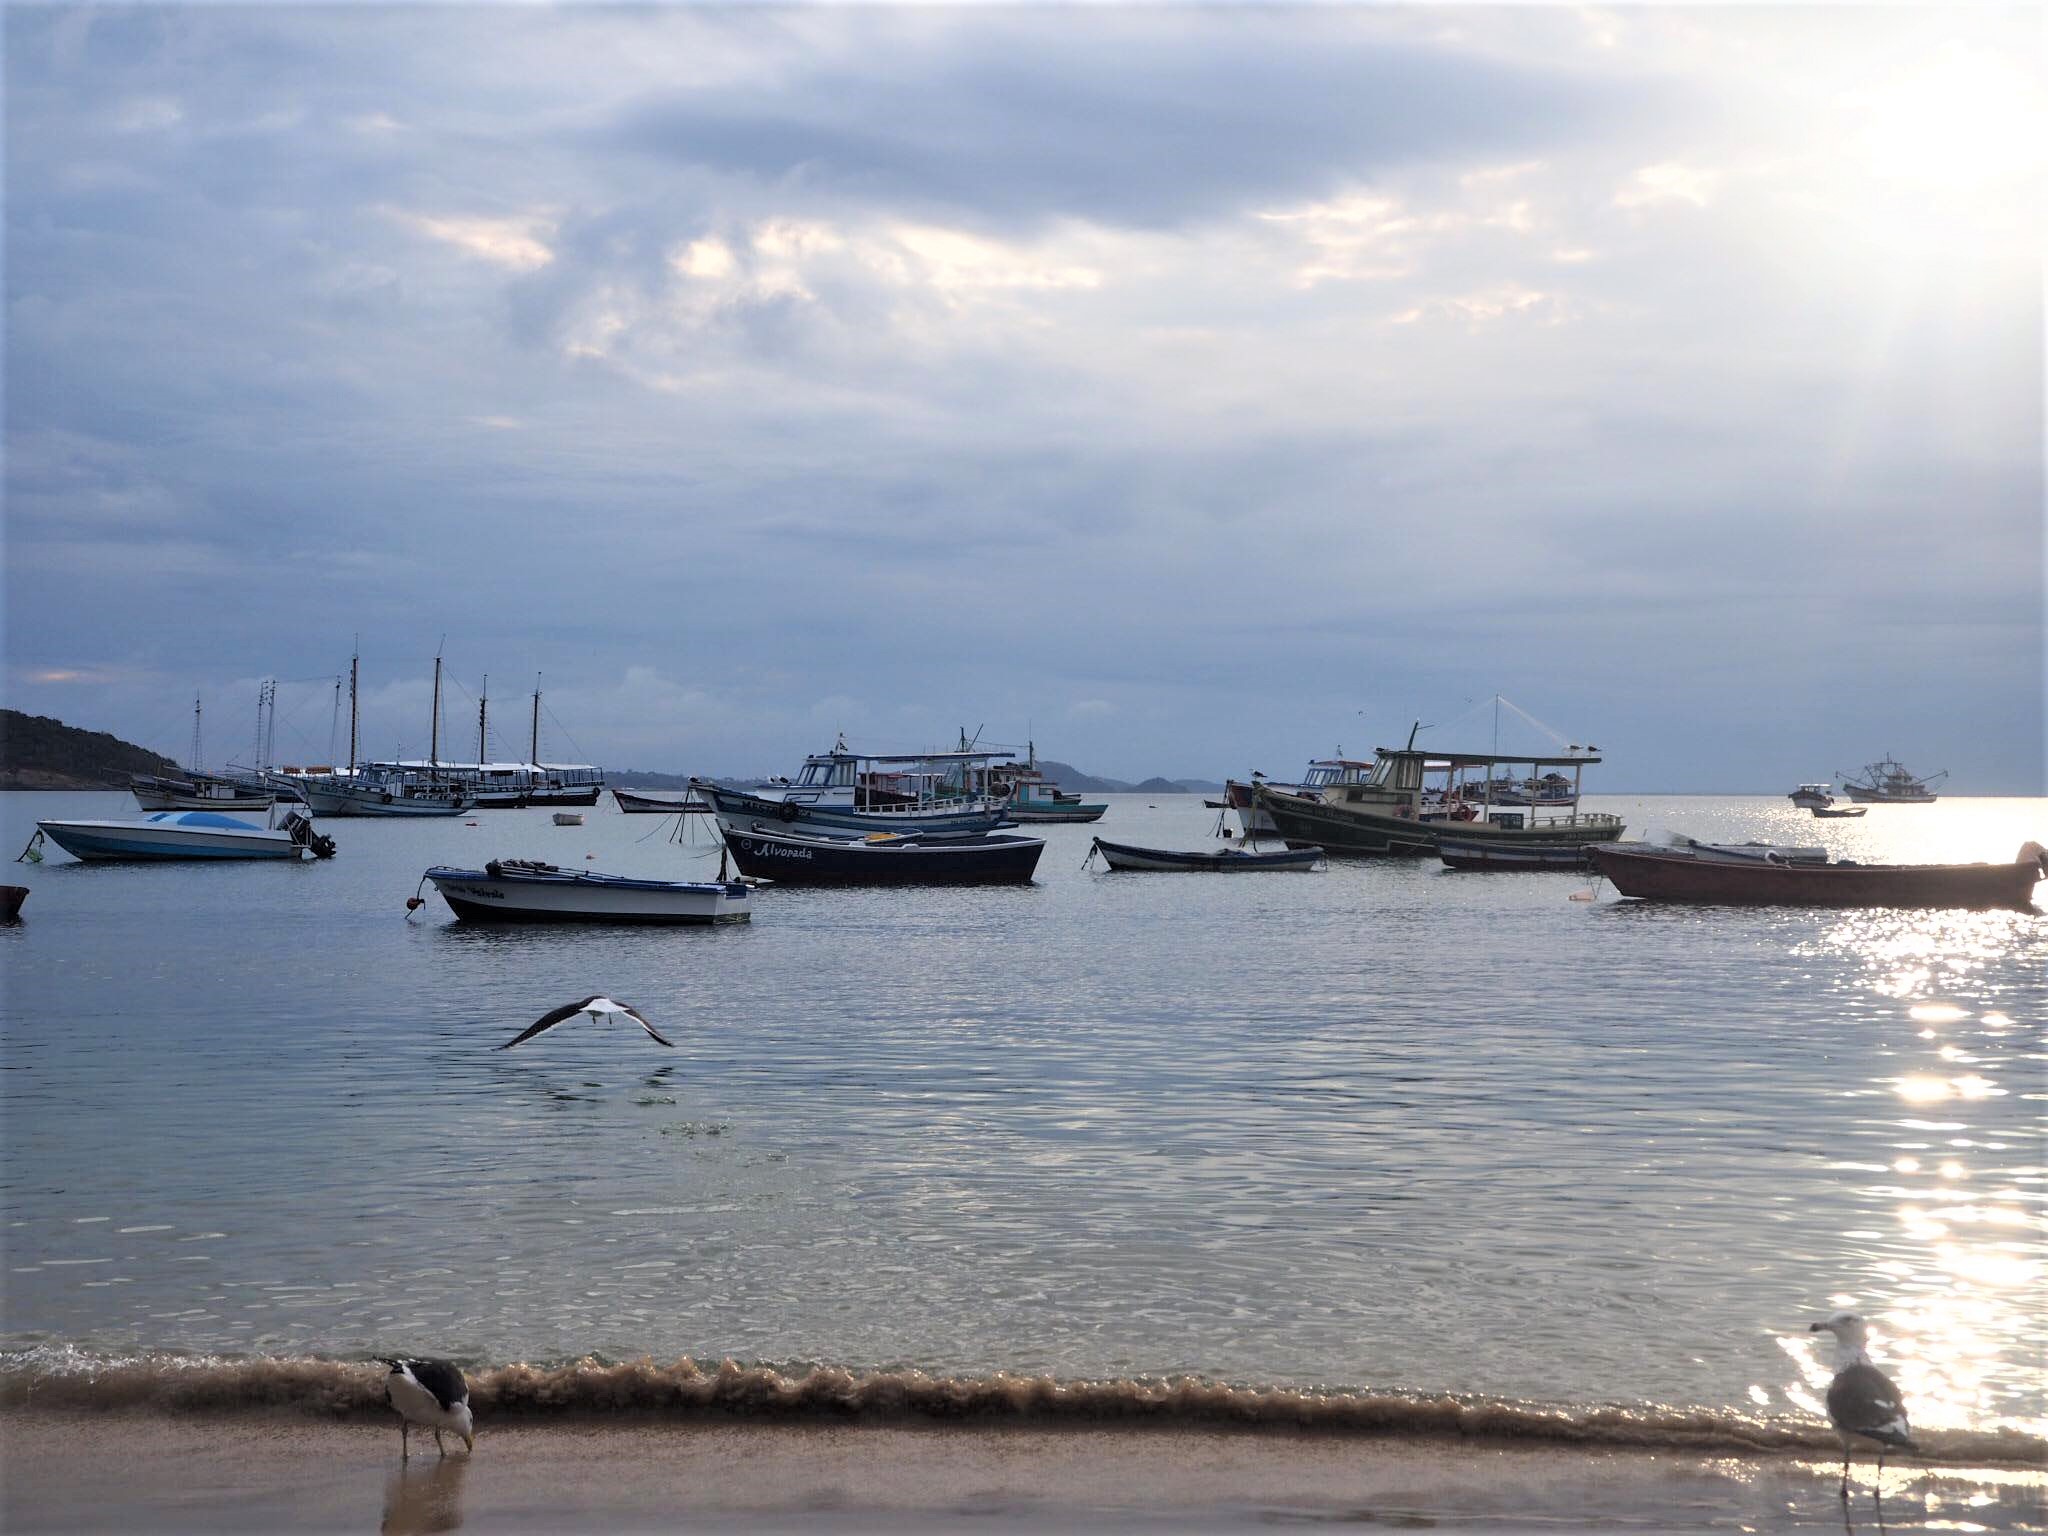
1681 874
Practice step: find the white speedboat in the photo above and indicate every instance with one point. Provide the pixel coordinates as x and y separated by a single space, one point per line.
1813 797
189 835
528 891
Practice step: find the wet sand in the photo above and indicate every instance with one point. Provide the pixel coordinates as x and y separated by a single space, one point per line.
68 1472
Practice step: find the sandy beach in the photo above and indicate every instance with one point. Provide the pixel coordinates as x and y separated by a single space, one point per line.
71 1472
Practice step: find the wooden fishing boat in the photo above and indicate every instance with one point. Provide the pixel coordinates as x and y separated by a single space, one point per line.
11 898
197 792
1124 856
1414 799
635 802
797 858
1689 875
1496 857
528 891
1840 812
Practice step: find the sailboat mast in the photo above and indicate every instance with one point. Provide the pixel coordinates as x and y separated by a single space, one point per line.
434 730
533 750
353 663
195 735
483 704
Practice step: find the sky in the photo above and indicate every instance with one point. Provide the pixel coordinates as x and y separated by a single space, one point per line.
1184 389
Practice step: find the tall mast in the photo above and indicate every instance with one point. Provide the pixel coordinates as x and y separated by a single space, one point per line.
195 735
483 704
533 751
270 724
353 661
434 730
334 722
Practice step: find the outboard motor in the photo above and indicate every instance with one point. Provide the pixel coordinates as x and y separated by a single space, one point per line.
300 826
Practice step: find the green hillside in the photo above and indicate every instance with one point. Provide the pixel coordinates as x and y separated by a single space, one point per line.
37 752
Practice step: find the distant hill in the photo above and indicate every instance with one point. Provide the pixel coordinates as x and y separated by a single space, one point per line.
1067 776
37 752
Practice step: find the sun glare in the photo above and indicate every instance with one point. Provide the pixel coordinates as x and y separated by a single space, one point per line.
1961 121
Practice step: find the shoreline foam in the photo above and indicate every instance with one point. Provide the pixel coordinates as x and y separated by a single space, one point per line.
685 1392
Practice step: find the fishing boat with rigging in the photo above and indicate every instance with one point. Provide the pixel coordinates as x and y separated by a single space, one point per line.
1886 782
1414 798
843 791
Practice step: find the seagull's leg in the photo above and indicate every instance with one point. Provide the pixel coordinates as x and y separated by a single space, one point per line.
437 1441
404 1433
1845 1474
1877 1491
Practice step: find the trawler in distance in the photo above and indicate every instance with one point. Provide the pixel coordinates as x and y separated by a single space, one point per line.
1886 782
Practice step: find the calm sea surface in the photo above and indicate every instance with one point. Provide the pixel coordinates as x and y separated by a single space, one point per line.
1382 1126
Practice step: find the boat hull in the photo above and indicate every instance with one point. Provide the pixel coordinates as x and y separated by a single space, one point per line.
1653 875
1346 829
544 894
1124 856
655 805
797 860
740 812
1079 813
1861 795
152 840
1502 858
359 800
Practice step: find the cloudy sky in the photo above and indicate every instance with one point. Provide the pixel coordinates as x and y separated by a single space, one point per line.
1190 389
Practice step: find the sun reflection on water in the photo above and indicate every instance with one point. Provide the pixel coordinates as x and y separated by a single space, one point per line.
1952 1225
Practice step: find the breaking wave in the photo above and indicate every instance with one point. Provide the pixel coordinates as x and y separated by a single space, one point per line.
67 1379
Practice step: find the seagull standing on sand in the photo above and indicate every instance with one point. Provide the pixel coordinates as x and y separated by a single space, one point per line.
1861 1399
596 1007
432 1393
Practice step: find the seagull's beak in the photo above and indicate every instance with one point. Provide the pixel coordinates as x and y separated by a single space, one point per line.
469 1441
1816 1327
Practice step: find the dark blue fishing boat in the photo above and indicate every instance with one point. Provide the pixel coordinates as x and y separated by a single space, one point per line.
1233 860
795 858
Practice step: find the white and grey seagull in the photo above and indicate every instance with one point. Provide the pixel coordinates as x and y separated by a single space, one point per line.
430 1393
1862 1401
597 1007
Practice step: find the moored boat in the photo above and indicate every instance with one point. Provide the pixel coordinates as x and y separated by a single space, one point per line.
1496 857
1413 799
1813 796
528 891
637 802
188 835
1886 782
1323 775
1125 856
197 792
795 858
1695 875
1838 812
11 898
568 818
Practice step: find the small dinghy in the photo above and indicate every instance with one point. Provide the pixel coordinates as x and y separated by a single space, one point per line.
1169 860
568 818
528 891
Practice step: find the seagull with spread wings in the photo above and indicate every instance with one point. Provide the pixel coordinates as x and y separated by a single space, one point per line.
597 1006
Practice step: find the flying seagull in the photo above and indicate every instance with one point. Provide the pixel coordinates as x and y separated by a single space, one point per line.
429 1392
1861 1399
597 1007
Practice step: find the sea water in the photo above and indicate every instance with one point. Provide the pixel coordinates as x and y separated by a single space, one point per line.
1380 1129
